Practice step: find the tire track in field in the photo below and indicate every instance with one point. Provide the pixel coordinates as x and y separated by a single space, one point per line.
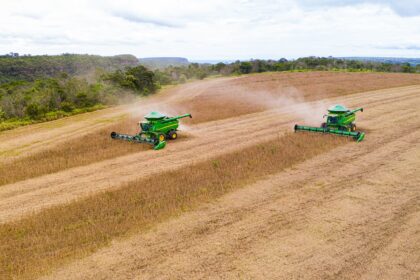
333 216
35 138
24 197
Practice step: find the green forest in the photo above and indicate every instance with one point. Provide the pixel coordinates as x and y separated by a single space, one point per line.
41 88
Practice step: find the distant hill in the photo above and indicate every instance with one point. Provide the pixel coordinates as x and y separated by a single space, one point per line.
162 62
392 60
28 68
213 61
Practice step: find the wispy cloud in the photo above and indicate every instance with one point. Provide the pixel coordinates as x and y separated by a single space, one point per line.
406 8
131 17
29 15
400 47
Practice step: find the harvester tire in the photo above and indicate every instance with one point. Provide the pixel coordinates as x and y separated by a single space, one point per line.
161 137
172 135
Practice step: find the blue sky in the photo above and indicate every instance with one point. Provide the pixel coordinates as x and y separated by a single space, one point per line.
213 29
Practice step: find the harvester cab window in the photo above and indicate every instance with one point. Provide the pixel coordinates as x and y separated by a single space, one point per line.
144 126
332 119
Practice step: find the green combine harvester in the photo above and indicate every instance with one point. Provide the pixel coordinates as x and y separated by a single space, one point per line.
154 131
340 121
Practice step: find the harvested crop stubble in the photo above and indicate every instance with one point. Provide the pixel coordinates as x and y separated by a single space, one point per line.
42 241
81 151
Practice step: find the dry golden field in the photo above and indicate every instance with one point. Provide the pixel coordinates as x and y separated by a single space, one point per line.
239 195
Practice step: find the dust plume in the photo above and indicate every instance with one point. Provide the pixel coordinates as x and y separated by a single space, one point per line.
286 100
216 102
139 109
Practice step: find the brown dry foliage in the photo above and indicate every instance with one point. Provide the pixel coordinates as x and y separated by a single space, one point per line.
87 149
37 243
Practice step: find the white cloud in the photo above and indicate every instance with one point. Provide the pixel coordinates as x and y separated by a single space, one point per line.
401 7
213 29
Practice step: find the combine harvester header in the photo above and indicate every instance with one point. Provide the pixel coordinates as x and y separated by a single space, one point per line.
340 121
154 130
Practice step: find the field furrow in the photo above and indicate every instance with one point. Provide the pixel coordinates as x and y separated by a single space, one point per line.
334 216
46 191
238 196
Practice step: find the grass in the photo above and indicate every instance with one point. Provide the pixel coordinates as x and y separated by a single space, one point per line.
39 242
50 116
12 124
81 151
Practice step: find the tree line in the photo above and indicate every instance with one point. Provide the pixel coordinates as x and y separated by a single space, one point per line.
29 68
181 74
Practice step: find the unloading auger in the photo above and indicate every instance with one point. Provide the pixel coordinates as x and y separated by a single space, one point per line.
154 131
340 121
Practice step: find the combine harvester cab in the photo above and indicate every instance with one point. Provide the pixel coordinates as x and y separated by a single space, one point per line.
340 121
154 130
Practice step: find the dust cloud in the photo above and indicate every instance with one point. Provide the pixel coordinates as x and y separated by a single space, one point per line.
142 108
233 101
285 100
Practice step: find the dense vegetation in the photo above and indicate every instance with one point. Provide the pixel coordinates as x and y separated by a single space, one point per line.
163 62
30 68
199 71
393 60
138 79
24 102
40 88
